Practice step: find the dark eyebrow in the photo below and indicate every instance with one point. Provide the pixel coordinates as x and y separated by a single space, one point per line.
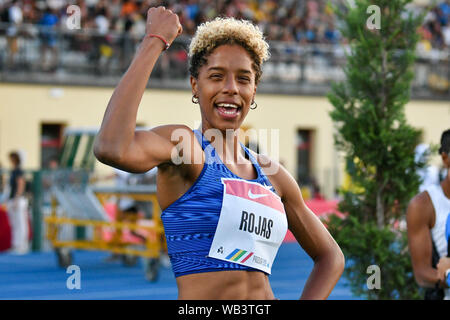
223 69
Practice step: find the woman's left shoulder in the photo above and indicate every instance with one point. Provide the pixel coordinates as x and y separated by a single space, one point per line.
277 174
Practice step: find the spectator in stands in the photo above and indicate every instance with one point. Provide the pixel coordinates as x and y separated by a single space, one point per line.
14 18
445 22
48 36
114 10
102 42
127 43
436 20
331 35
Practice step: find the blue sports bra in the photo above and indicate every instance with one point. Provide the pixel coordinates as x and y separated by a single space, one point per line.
190 222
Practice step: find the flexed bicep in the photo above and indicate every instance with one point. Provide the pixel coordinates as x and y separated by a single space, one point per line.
151 148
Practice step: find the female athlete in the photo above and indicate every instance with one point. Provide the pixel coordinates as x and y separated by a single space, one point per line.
225 209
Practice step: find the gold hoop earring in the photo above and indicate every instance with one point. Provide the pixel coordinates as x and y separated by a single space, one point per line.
194 99
254 104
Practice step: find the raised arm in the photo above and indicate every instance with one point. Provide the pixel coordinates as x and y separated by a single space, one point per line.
117 144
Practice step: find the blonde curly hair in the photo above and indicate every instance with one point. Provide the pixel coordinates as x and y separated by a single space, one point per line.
220 31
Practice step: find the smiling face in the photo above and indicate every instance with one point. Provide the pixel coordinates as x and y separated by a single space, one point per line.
225 87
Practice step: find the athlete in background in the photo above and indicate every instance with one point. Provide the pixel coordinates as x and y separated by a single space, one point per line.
427 217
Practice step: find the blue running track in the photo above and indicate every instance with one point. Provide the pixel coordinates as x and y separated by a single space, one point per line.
36 276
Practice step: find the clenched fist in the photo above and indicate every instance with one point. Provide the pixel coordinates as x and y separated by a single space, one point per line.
164 23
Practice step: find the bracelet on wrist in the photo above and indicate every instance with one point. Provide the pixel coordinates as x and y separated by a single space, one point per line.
166 44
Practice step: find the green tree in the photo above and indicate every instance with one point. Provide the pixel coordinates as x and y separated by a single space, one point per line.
378 144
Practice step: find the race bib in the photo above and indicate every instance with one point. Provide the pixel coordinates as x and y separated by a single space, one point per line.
252 225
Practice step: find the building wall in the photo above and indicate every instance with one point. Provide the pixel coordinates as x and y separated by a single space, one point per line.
23 108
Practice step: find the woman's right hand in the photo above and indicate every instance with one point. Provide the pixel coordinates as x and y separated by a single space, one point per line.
164 23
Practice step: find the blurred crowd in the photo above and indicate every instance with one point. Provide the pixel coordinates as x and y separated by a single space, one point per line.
436 28
286 20
306 21
120 24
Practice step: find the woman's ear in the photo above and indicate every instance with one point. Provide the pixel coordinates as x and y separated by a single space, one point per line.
446 159
194 85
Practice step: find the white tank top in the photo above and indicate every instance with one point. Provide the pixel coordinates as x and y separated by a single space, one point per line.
441 206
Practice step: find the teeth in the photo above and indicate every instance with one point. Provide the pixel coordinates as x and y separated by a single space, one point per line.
227 105
228 112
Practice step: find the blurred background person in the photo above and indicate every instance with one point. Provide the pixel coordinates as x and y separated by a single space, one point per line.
48 36
5 228
17 206
427 216
14 18
127 209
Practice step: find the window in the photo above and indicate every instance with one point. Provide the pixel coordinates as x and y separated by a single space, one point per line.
51 139
304 150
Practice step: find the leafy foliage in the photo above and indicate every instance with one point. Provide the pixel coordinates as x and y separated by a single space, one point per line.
378 145
364 244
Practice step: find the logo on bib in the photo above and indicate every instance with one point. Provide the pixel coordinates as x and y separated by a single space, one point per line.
254 192
256 196
238 254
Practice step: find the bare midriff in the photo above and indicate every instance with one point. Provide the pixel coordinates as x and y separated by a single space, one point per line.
225 285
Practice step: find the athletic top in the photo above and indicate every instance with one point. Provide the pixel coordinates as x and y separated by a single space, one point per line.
191 222
15 174
441 206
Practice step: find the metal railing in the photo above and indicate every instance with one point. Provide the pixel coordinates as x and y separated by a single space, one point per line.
86 57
